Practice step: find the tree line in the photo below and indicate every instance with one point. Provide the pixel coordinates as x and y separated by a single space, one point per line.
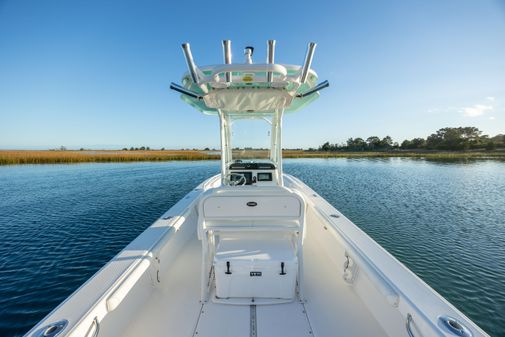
445 139
142 148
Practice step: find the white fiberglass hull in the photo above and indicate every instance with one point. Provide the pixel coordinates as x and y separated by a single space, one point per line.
352 287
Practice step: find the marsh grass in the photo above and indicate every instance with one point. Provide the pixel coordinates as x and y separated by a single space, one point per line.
13 157
102 156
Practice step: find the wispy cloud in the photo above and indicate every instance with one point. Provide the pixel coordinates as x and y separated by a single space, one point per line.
443 110
486 105
476 110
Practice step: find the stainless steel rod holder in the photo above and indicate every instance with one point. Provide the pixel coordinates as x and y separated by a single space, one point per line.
270 58
227 57
185 91
308 61
189 61
320 86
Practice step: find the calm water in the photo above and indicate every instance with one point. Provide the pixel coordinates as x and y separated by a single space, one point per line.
60 223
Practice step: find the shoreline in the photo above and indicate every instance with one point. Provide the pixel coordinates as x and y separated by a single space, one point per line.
20 157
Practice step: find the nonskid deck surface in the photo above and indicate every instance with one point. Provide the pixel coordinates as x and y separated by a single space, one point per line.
223 320
174 310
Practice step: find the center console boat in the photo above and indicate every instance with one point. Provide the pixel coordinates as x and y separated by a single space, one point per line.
253 252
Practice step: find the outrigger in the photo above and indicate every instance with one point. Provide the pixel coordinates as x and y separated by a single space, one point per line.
253 252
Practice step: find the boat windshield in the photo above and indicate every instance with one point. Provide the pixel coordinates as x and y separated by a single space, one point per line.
250 139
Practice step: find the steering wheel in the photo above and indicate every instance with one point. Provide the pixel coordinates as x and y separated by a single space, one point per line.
235 182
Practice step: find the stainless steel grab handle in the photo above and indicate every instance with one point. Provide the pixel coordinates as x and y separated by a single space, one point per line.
96 324
407 325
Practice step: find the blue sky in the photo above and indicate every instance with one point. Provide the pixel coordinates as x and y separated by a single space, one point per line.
96 73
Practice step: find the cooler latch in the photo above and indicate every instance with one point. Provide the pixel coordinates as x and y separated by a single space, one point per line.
282 269
227 272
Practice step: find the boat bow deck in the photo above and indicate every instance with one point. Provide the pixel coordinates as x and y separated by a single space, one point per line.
175 308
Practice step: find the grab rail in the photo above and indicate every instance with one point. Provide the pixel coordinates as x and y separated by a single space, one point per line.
253 68
382 284
407 325
95 324
119 294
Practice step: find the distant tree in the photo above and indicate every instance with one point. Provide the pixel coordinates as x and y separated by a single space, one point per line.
162 149
418 143
148 148
136 149
498 140
125 149
206 149
132 149
63 148
406 144
81 149
325 147
490 145
356 144
448 139
386 143
142 148
373 142
461 138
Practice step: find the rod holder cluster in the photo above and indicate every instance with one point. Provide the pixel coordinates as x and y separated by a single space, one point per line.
248 53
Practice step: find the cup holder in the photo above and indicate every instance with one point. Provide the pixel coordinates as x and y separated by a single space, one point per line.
53 329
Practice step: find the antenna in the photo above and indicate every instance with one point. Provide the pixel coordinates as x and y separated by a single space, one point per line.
227 57
248 52
308 61
270 57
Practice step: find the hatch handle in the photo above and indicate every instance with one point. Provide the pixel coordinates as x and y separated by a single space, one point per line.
227 272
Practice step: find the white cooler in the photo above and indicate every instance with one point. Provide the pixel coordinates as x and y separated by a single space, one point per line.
255 268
